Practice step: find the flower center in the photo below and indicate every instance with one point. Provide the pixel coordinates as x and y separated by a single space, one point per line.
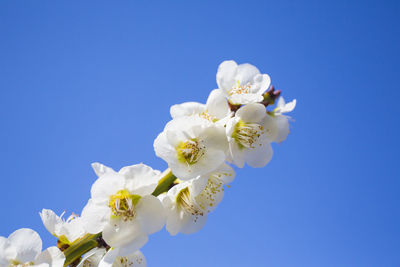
190 151
184 201
246 134
123 203
207 116
240 89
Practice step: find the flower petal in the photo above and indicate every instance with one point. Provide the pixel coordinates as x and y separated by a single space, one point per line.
135 245
198 184
245 73
282 124
93 257
174 221
187 109
237 154
51 221
150 214
73 229
259 156
52 256
253 112
137 258
141 179
217 104
7 251
226 75
225 173
95 217
118 233
194 224
283 107
106 186
27 243
109 258
101 169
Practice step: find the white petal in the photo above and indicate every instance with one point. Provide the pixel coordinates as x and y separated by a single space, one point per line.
245 73
95 217
106 186
281 103
225 173
174 221
137 258
135 245
51 221
198 184
7 251
150 214
27 244
217 104
109 258
270 127
214 137
281 107
52 256
226 75
254 112
101 169
282 124
73 229
141 179
259 156
237 154
194 224
118 233
164 145
92 258
245 98
186 109
261 83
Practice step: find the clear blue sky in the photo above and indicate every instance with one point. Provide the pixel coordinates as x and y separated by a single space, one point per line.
85 81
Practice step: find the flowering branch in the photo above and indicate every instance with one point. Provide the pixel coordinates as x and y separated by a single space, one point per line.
74 252
200 143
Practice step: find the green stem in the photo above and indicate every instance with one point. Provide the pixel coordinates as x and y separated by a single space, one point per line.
88 242
80 247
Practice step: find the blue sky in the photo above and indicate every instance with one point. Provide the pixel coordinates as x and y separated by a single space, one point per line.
86 81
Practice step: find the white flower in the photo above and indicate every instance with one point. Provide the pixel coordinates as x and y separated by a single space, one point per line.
23 248
242 84
214 110
122 207
279 123
67 231
249 137
191 146
113 258
189 202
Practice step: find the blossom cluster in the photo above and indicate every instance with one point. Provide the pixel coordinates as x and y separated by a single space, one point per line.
200 144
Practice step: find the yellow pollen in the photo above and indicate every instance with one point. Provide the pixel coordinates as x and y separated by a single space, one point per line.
190 152
123 203
240 89
246 134
207 116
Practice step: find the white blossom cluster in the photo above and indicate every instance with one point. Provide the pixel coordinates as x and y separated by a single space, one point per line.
233 127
